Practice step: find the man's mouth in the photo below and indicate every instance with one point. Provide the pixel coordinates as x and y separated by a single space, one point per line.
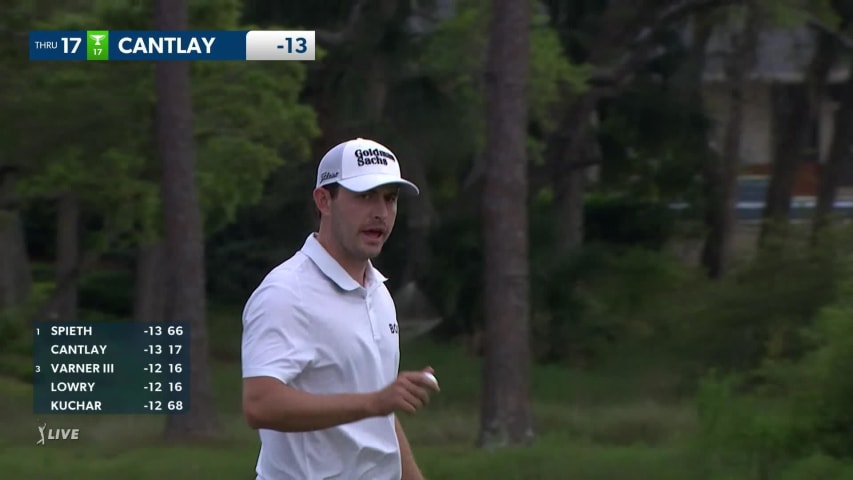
373 233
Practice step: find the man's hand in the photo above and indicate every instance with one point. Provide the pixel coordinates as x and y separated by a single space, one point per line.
408 393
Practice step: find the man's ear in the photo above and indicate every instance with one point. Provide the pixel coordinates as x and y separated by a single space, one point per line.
323 200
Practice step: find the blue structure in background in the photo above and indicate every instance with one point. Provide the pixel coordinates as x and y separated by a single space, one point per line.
751 194
750 202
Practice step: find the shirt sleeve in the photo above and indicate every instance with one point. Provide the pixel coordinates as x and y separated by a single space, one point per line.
276 341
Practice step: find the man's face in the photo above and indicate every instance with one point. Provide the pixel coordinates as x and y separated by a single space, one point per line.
362 222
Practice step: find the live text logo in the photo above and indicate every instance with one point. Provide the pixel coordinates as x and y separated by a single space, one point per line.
47 434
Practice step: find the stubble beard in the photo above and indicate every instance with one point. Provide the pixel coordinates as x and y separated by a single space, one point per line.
352 244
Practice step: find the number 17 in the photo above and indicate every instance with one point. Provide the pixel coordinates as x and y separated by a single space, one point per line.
65 41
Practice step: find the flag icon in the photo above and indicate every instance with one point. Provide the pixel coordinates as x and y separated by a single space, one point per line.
97 45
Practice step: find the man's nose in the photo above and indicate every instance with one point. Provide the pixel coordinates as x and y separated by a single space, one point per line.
380 208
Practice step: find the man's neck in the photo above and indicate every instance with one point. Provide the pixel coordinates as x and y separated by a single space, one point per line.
357 269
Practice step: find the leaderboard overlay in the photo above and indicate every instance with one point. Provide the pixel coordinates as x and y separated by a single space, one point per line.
157 45
111 367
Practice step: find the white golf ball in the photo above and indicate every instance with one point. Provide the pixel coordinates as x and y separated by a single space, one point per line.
431 378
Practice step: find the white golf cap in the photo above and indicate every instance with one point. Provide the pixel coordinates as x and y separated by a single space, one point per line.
360 165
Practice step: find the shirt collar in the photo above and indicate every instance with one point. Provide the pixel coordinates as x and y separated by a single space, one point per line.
332 269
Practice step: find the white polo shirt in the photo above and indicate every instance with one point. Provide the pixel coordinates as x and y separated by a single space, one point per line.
312 326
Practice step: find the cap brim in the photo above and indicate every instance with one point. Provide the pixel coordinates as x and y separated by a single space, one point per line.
364 183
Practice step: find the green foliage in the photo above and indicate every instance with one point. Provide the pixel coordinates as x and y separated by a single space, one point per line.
16 336
790 408
599 294
582 302
787 410
756 312
795 13
598 297
552 76
454 283
242 141
139 15
454 56
745 429
654 143
106 294
97 125
818 467
624 220
823 378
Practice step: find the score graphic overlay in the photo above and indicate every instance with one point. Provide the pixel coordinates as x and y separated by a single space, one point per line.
221 45
111 368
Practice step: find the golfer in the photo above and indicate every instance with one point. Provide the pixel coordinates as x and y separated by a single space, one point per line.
320 346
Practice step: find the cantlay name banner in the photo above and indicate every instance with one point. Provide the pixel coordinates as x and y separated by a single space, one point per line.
155 45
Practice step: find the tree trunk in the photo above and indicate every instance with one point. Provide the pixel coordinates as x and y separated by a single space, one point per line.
721 171
15 277
149 299
793 109
566 159
837 160
689 82
506 417
563 174
375 93
67 255
419 217
183 228
792 112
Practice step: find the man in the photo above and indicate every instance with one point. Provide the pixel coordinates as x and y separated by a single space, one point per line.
320 347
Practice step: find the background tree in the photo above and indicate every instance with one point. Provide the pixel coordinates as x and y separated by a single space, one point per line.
722 169
839 161
791 139
506 411
183 227
15 275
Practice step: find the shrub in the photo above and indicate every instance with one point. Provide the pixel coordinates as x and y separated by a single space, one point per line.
748 429
16 335
818 467
758 311
599 296
823 382
109 292
625 220
454 279
790 408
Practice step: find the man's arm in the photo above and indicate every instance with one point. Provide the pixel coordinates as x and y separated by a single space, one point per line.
410 467
272 405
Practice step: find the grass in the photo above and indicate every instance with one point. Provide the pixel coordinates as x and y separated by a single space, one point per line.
582 442
594 425
579 436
